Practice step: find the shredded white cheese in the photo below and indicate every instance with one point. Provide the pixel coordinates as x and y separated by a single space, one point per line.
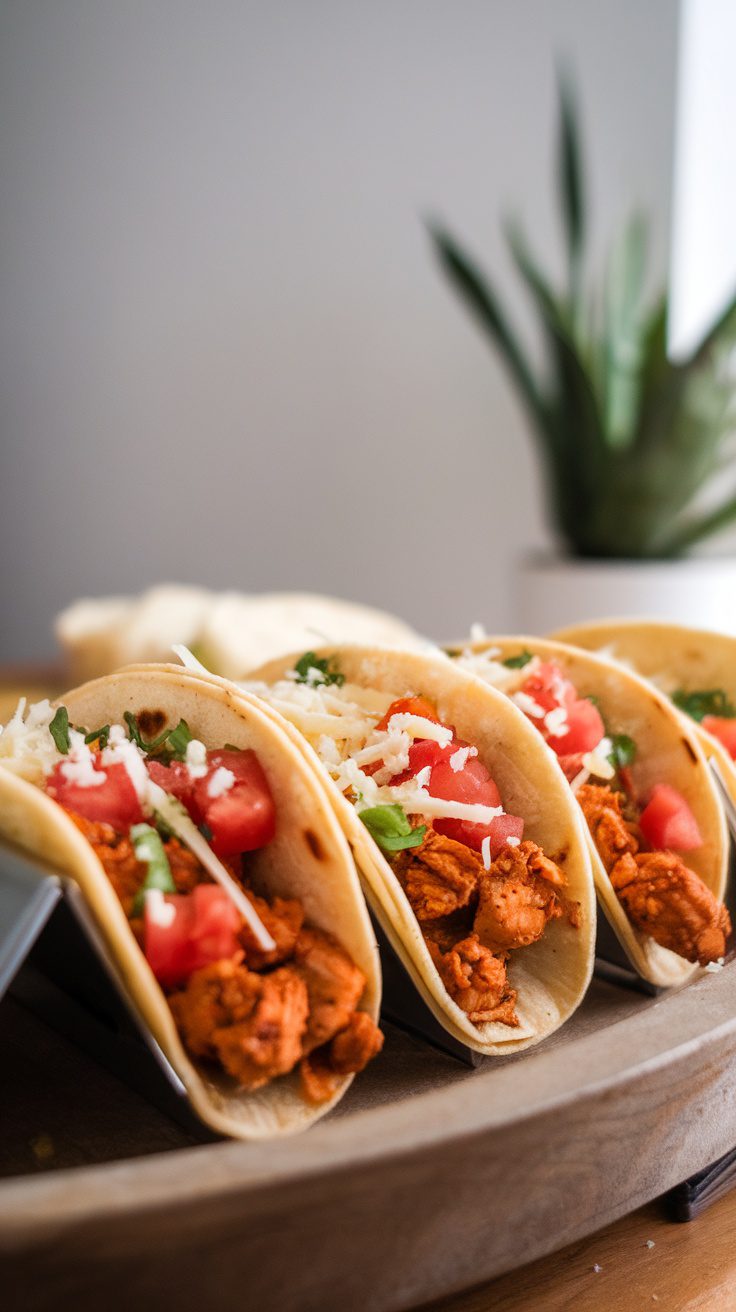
556 722
528 705
195 759
485 851
221 782
79 769
513 841
459 759
597 762
419 727
158 910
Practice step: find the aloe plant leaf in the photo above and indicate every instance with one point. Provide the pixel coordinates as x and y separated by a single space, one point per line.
485 305
722 331
624 335
705 526
570 174
579 444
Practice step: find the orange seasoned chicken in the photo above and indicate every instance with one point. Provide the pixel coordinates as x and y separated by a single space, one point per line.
353 1047
254 1024
334 984
439 877
665 899
611 834
283 918
346 1054
517 897
476 981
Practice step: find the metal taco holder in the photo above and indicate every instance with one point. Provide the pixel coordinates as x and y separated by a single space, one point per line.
55 962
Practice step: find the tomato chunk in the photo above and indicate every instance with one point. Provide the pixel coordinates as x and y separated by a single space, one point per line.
584 729
471 785
410 706
204 927
549 687
243 817
724 730
115 801
667 821
502 829
176 780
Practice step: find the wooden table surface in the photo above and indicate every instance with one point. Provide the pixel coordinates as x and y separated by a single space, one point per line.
642 1261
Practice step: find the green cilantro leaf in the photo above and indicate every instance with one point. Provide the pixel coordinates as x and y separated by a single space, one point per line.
149 849
99 735
623 751
518 662
707 701
59 730
176 739
311 669
389 827
179 739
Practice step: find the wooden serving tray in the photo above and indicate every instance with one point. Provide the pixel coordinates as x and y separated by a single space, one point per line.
428 1178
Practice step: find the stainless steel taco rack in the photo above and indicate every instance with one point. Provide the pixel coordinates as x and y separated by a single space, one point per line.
54 962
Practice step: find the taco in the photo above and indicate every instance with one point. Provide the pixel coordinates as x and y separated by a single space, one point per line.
695 668
642 782
473 858
220 880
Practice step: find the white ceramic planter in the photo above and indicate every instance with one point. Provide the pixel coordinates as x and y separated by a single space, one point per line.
552 592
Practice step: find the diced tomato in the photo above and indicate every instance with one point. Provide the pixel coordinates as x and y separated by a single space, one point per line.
583 731
471 785
243 817
724 730
115 802
549 687
423 752
204 928
503 828
668 822
176 780
410 706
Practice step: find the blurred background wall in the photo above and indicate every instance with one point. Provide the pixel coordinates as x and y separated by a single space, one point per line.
227 356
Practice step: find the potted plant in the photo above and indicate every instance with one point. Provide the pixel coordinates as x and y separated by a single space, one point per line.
634 446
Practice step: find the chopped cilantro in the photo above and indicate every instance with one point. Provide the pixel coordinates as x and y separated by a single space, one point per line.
178 740
175 740
519 661
149 849
59 730
206 832
623 751
311 669
100 736
708 701
134 734
389 827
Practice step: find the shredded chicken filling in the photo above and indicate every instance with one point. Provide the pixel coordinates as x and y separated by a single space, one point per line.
473 918
268 1013
661 896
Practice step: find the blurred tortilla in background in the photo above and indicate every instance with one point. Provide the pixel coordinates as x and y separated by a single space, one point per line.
230 632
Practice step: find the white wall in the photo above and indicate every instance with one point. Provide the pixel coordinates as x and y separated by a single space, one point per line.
226 355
